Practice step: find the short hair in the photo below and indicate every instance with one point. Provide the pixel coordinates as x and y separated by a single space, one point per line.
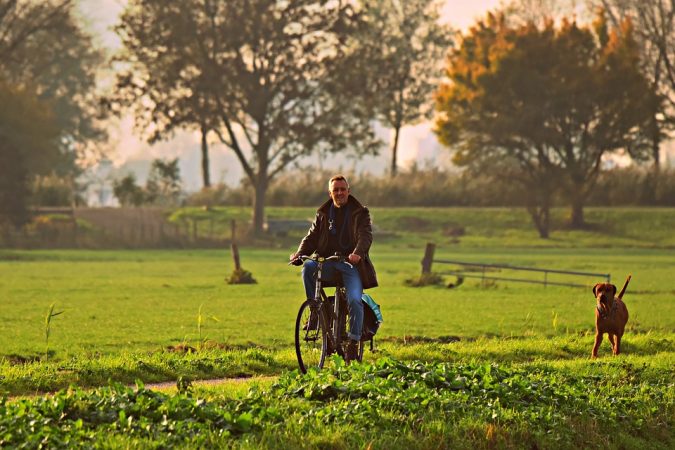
338 178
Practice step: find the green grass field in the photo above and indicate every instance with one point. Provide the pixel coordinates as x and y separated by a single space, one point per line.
480 227
121 309
138 301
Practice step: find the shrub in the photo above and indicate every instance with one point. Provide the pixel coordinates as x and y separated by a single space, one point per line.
241 276
425 279
53 190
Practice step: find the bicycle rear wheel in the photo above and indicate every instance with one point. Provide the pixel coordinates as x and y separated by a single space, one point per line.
310 338
359 356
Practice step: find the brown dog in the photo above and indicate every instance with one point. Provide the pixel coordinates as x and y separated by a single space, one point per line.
611 315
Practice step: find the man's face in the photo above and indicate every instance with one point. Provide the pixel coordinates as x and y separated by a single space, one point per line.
339 192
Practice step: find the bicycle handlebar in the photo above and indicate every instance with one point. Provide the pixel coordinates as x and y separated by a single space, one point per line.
321 259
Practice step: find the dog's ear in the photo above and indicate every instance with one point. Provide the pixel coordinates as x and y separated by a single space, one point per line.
613 289
595 288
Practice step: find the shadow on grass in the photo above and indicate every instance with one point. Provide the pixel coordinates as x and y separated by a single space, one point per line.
21 375
30 377
521 349
406 340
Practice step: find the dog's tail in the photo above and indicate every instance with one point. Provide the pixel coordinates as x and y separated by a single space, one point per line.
623 289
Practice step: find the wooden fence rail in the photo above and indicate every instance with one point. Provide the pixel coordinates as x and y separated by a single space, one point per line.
429 260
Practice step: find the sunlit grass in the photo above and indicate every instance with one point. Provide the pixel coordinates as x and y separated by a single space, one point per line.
654 350
128 314
145 301
465 394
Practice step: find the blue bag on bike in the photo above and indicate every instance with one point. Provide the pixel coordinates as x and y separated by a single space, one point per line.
372 318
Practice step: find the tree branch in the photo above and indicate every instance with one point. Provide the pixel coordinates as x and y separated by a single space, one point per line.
242 124
234 143
29 29
279 168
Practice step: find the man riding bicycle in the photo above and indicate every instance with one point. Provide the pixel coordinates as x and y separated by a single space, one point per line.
342 226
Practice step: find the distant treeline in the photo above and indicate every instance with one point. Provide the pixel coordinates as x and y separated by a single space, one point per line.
632 186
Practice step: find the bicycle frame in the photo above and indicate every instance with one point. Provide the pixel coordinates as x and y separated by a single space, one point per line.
332 336
320 300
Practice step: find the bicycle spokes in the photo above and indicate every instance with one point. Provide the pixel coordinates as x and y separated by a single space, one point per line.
310 345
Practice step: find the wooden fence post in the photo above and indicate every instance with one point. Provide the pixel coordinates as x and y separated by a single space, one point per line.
428 258
235 250
235 256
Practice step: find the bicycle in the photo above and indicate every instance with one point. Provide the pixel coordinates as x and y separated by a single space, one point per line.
321 325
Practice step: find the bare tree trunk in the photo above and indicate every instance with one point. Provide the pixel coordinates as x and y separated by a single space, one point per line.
656 148
259 205
650 187
394 150
541 218
538 193
205 158
577 216
656 144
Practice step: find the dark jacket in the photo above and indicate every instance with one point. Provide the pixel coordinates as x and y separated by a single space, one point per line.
360 232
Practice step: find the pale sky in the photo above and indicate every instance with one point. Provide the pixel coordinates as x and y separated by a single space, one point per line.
103 13
417 143
462 13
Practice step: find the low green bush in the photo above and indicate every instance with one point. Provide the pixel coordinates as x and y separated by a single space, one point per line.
387 403
434 187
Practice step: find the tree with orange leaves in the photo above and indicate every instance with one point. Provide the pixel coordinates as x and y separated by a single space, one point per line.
543 105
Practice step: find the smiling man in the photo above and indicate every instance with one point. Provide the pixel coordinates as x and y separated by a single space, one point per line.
341 226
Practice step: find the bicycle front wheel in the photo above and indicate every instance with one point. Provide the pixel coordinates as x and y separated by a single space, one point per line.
310 338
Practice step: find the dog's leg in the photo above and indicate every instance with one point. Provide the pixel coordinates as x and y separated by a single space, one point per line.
617 344
612 342
596 346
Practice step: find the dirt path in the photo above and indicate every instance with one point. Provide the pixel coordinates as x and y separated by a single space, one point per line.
167 385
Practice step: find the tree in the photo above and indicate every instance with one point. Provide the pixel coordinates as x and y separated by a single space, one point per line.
47 78
43 48
655 32
264 73
162 187
402 50
175 101
127 192
550 101
163 184
28 145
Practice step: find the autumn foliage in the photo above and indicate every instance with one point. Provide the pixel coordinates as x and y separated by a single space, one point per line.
543 105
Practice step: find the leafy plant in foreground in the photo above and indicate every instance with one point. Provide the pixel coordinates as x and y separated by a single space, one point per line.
201 319
539 406
48 325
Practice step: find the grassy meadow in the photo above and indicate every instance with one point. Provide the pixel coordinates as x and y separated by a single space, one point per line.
499 364
478 227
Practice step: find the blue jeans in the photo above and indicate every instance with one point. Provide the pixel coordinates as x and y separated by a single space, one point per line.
353 286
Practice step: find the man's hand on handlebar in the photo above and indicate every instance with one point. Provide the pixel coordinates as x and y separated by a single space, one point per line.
354 258
295 260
